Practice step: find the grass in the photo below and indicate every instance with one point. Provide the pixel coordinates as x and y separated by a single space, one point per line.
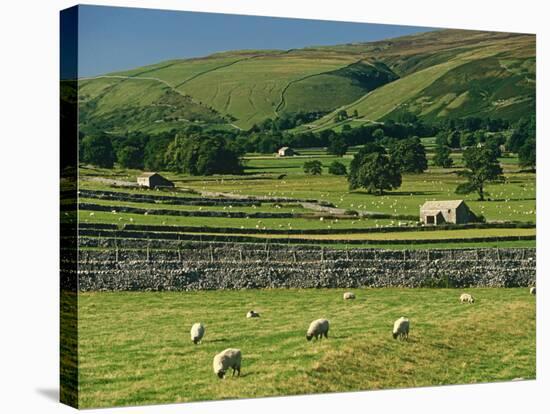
409 235
265 207
515 200
251 89
134 348
412 91
86 216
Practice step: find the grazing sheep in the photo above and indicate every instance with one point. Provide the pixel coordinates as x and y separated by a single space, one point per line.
252 314
317 329
401 328
466 298
230 358
197 332
533 290
349 295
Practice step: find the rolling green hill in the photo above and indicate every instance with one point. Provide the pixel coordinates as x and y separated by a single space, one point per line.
445 73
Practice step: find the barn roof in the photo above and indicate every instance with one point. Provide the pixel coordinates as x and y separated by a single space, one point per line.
284 148
148 174
441 205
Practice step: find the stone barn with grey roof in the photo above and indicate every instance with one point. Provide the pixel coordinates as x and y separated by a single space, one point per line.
153 180
433 213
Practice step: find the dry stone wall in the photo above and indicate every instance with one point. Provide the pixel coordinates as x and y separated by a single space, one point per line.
218 266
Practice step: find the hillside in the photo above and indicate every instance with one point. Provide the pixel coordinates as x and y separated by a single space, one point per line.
446 73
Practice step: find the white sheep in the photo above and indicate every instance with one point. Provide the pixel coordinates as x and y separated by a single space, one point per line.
349 295
252 314
533 290
401 328
466 298
197 332
317 329
230 358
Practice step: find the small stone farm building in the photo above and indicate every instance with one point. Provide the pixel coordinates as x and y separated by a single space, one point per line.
153 180
285 152
445 212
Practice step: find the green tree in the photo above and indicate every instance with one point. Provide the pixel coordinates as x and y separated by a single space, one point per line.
268 144
202 155
453 139
97 150
410 155
313 167
480 136
378 134
442 156
467 139
337 168
155 150
337 146
525 128
441 138
494 142
528 154
341 115
482 167
372 169
130 156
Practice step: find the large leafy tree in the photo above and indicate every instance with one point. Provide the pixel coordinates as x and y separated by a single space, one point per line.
155 150
528 154
313 167
97 150
130 156
525 129
337 146
410 155
337 168
372 169
202 155
482 166
442 156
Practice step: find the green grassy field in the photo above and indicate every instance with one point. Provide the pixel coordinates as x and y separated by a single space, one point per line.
514 200
423 73
134 348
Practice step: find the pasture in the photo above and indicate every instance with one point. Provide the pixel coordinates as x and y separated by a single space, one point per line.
283 178
134 348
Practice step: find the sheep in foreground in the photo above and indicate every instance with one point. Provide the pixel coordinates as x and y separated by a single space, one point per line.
252 314
230 358
466 298
349 295
533 290
197 332
317 329
401 328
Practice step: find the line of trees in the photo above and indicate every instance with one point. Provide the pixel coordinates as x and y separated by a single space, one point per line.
195 151
192 152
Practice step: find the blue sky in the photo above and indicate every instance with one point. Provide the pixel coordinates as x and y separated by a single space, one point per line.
116 38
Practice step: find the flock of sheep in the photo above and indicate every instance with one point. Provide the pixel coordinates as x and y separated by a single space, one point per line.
231 357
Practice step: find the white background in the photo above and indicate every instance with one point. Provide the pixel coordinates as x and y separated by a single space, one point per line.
29 56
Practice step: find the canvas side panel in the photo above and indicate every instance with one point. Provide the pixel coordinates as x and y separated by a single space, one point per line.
68 206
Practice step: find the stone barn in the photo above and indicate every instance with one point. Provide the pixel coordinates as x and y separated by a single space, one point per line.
433 213
285 152
153 180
